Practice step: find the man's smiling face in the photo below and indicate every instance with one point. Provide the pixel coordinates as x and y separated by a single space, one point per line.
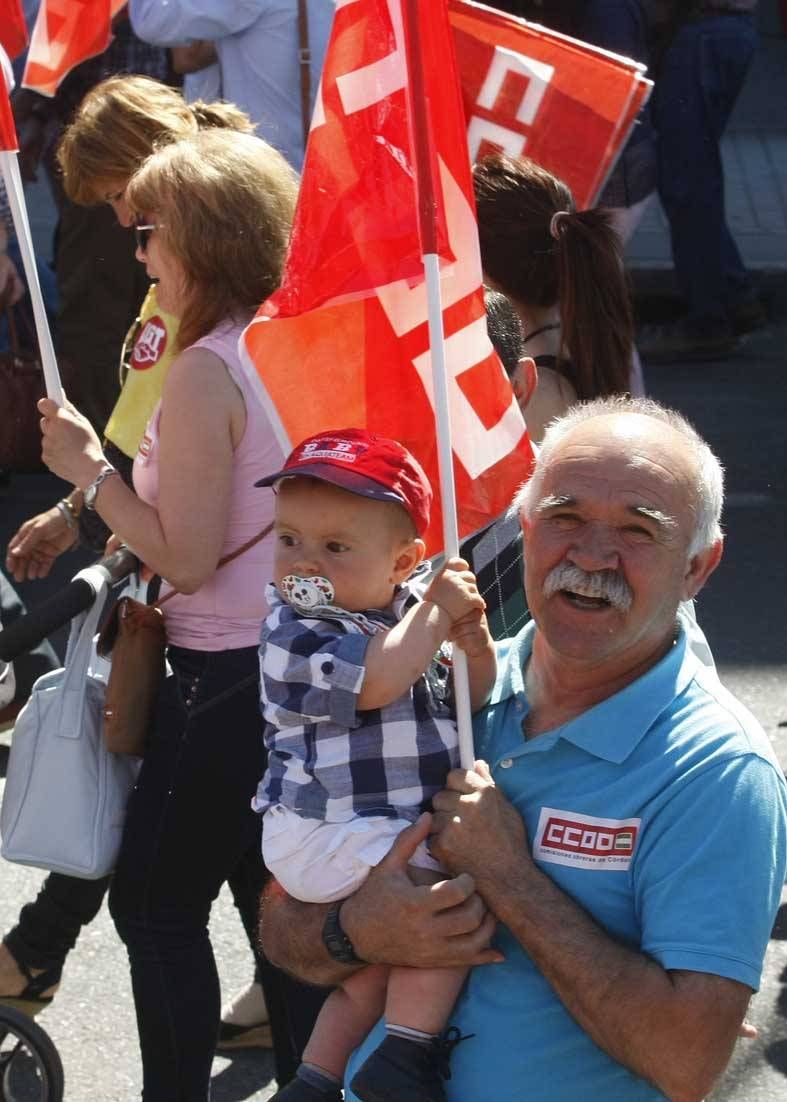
607 540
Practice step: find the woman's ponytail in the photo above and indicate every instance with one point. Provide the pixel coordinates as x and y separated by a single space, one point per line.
597 327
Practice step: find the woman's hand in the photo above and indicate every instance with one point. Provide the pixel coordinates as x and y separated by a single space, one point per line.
34 548
69 446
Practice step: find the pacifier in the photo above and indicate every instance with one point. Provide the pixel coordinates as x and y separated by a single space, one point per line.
306 594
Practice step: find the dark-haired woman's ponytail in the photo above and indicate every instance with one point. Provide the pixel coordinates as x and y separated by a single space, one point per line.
597 327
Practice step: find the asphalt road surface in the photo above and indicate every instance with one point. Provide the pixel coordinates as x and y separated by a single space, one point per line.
741 407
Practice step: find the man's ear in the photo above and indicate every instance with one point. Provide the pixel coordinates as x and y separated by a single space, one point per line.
409 556
701 566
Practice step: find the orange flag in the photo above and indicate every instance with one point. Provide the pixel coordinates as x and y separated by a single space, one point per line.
345 342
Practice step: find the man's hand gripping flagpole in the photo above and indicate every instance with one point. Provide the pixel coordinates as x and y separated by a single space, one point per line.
12 178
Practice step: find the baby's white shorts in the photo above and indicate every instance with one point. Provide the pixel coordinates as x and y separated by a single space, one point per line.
319 862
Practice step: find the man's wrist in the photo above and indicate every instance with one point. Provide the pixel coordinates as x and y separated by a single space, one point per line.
335 937
353 925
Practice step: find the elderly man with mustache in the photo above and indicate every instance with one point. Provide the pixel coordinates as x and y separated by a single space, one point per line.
619 847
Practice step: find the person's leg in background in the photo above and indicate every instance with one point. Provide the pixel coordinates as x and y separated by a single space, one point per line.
33 953
702 74
290 1007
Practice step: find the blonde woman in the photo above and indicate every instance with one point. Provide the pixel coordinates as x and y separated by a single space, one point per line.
117 126
213 217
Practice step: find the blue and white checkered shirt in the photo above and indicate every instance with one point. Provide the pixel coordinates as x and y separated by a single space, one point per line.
326 759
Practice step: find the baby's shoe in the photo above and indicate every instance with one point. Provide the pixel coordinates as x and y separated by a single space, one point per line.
403 1070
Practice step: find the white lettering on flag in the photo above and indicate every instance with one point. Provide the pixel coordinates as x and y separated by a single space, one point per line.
376 82
538 75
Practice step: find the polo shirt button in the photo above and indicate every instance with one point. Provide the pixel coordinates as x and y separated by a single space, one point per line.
506 763
519 705
327 667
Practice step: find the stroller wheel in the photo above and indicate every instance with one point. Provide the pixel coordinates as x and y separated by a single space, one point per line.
30 1067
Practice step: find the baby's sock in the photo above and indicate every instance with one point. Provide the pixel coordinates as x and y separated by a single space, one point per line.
417 1036
319 1078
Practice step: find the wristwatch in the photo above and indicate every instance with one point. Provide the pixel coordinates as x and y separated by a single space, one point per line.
89 498
335 940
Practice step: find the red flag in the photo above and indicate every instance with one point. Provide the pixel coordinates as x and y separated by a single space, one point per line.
66 32
13 29
344 342
566 104
8 140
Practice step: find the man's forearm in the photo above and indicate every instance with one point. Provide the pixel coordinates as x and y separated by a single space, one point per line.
291 938
675 1029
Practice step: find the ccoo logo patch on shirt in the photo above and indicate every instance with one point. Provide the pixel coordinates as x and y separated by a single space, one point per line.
584 841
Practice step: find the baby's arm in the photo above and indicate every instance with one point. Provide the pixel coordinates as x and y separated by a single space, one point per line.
395 659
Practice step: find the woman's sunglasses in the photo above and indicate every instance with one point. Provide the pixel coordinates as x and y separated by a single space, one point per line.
143 232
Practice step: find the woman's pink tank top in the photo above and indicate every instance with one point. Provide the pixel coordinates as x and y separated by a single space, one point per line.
227 611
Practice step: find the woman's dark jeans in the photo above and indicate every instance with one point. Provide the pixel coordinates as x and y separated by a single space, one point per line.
189 823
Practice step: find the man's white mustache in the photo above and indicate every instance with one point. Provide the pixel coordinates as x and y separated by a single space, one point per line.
606 584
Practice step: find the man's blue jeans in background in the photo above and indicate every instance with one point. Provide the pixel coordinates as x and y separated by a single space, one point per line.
702 74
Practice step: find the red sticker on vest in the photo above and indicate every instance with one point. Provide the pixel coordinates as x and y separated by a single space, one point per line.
150 345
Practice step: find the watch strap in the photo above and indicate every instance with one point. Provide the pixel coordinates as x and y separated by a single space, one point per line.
336 940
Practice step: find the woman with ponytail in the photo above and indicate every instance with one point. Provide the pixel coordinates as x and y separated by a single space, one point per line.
563 271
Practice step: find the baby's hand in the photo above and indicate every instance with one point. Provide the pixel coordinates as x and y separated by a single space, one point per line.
471 634
454 590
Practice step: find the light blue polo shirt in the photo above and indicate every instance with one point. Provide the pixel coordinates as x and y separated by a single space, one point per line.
663 812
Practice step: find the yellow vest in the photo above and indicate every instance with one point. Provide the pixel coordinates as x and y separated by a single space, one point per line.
147 352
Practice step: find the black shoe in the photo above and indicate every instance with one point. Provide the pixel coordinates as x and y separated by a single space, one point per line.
747 314
401 1070
678 341
298 1090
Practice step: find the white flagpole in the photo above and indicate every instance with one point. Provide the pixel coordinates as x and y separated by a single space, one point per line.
16 199
445 454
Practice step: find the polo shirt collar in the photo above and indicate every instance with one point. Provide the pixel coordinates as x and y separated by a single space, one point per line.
620 722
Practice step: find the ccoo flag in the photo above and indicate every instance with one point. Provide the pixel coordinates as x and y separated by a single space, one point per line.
66 32
344 341
13 29
527 90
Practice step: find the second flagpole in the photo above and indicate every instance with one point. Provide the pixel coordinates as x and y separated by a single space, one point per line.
13 184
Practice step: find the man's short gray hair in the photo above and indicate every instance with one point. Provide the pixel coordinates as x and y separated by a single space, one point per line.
709 473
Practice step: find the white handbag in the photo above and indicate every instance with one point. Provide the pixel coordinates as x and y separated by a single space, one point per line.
65 793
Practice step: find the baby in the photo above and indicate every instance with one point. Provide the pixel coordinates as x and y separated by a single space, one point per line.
360 733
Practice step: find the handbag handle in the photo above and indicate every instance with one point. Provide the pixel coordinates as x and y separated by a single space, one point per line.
223 562
79 654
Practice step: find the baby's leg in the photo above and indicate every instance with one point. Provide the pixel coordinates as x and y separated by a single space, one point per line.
420 1000
412 1060
347 1016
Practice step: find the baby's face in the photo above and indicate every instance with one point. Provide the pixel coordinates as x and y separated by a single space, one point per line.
357 543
